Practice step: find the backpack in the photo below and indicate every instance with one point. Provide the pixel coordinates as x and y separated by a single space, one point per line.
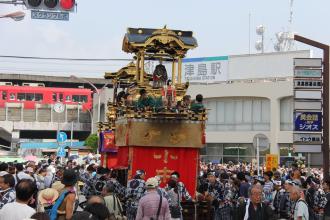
52 210
310 197
99 185
310 193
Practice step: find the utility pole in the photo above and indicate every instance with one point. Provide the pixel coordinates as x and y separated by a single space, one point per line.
325 144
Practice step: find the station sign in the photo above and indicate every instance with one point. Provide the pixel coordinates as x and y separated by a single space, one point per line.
307 105
307 94
307 83
308 62
308 121
308 73
304 148
203 69
307 138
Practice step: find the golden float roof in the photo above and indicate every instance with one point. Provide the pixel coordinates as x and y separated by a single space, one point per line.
124 73
159 41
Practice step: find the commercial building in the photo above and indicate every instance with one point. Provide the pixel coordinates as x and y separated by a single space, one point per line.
28 118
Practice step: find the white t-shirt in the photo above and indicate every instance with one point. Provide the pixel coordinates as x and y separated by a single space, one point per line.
301 210
16 211
21 175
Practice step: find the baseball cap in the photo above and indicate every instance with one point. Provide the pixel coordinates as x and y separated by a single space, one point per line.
151 183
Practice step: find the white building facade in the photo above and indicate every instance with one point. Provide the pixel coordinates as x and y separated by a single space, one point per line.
256 98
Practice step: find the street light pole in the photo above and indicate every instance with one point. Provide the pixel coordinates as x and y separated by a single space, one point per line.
96 91
325 145
16 16
258 157
91 116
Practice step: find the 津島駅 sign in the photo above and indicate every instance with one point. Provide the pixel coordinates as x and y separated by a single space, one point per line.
205 69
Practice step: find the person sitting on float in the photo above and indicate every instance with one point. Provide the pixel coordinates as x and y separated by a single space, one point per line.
145 102
198 105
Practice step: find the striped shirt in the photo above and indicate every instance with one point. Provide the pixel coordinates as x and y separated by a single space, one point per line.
268 191
148 207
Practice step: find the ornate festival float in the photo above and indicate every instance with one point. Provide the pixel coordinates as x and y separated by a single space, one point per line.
150 124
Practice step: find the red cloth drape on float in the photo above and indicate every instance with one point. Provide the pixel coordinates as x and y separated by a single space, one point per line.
162 161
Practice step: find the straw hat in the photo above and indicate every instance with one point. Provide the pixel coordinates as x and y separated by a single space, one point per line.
47 196
58 186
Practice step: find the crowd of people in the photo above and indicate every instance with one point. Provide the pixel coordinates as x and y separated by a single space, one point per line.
53 190
237 192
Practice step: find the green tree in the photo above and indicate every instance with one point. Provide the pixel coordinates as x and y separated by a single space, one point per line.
92 141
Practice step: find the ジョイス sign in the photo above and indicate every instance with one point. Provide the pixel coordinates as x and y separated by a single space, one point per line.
308 121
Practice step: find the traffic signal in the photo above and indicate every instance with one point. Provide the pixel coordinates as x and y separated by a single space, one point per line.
54 5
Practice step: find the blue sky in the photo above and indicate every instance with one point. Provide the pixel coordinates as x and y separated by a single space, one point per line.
97 28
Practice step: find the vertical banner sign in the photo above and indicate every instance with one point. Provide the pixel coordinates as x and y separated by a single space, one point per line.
271 162
308 86
107 140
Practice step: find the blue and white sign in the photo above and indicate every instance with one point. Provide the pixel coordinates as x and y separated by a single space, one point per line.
308 121
61 137
205 69
50 15
200 70
61 152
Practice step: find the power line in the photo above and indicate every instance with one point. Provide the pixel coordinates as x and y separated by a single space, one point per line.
62 64
66 59
54 70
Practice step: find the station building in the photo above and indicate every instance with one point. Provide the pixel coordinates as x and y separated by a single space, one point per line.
256 97
28 119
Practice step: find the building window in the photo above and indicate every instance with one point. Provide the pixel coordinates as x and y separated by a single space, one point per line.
29 96
75 98
39 97
286 114
4 95
61 97
238 114
21 97
12 96
79 98
54 97
218 152
83 98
